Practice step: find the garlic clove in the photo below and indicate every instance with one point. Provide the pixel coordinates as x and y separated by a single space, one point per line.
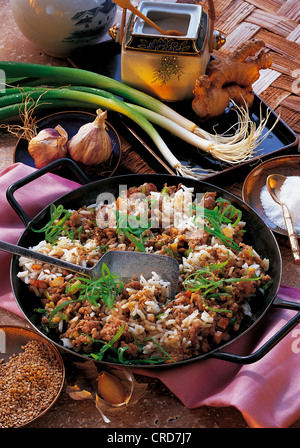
111 388
48 145
92 144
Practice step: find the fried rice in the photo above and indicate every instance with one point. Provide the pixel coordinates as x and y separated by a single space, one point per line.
219 276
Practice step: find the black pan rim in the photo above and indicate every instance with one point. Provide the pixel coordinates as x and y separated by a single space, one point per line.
117 180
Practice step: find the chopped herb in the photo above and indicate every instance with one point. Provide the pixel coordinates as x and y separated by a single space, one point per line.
105 288
217 217
132 228
57 225
204 280
107 345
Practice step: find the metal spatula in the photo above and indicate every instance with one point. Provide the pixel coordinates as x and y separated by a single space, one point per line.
127 264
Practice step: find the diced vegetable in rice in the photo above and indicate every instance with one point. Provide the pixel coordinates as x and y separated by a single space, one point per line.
138 322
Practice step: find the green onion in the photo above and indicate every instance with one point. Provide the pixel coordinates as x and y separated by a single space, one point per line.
45 74
160 347
216 266
130 227
216 310
62 306
218 295
56 226
106 288
231 149
150 360
203 279
229 209
138 243
228 151
267 285
107 345
215 218
121 351
147 361
217 232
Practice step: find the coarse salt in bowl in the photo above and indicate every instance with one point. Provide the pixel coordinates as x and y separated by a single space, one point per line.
290 196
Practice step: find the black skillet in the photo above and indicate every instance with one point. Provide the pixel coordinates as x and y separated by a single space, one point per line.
258 235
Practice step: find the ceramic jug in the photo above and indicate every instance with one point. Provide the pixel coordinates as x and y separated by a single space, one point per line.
58 27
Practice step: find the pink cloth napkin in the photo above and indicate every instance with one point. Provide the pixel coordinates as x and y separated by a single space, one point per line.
33 198
266 392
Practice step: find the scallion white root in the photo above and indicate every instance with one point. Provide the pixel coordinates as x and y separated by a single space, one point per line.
84 99
234 150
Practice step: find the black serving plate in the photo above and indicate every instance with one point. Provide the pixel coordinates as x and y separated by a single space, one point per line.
280 140
105 58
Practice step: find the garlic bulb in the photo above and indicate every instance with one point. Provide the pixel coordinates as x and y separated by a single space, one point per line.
91 145
48 145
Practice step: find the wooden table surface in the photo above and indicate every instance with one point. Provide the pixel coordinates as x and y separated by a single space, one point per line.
277 23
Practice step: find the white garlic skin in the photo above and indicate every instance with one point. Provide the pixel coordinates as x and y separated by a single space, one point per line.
48 145
92 144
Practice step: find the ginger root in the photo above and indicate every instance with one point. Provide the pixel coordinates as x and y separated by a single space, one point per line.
230 79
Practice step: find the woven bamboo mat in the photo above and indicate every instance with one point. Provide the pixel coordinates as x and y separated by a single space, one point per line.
277 23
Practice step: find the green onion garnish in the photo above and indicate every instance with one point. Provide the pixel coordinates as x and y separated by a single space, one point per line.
105 289
107 345
204 280
216 218
132 228
57 225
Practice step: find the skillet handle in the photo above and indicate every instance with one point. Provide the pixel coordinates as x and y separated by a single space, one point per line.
264 349
35 175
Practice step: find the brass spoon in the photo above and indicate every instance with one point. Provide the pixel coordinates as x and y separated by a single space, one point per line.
274 183
127 5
